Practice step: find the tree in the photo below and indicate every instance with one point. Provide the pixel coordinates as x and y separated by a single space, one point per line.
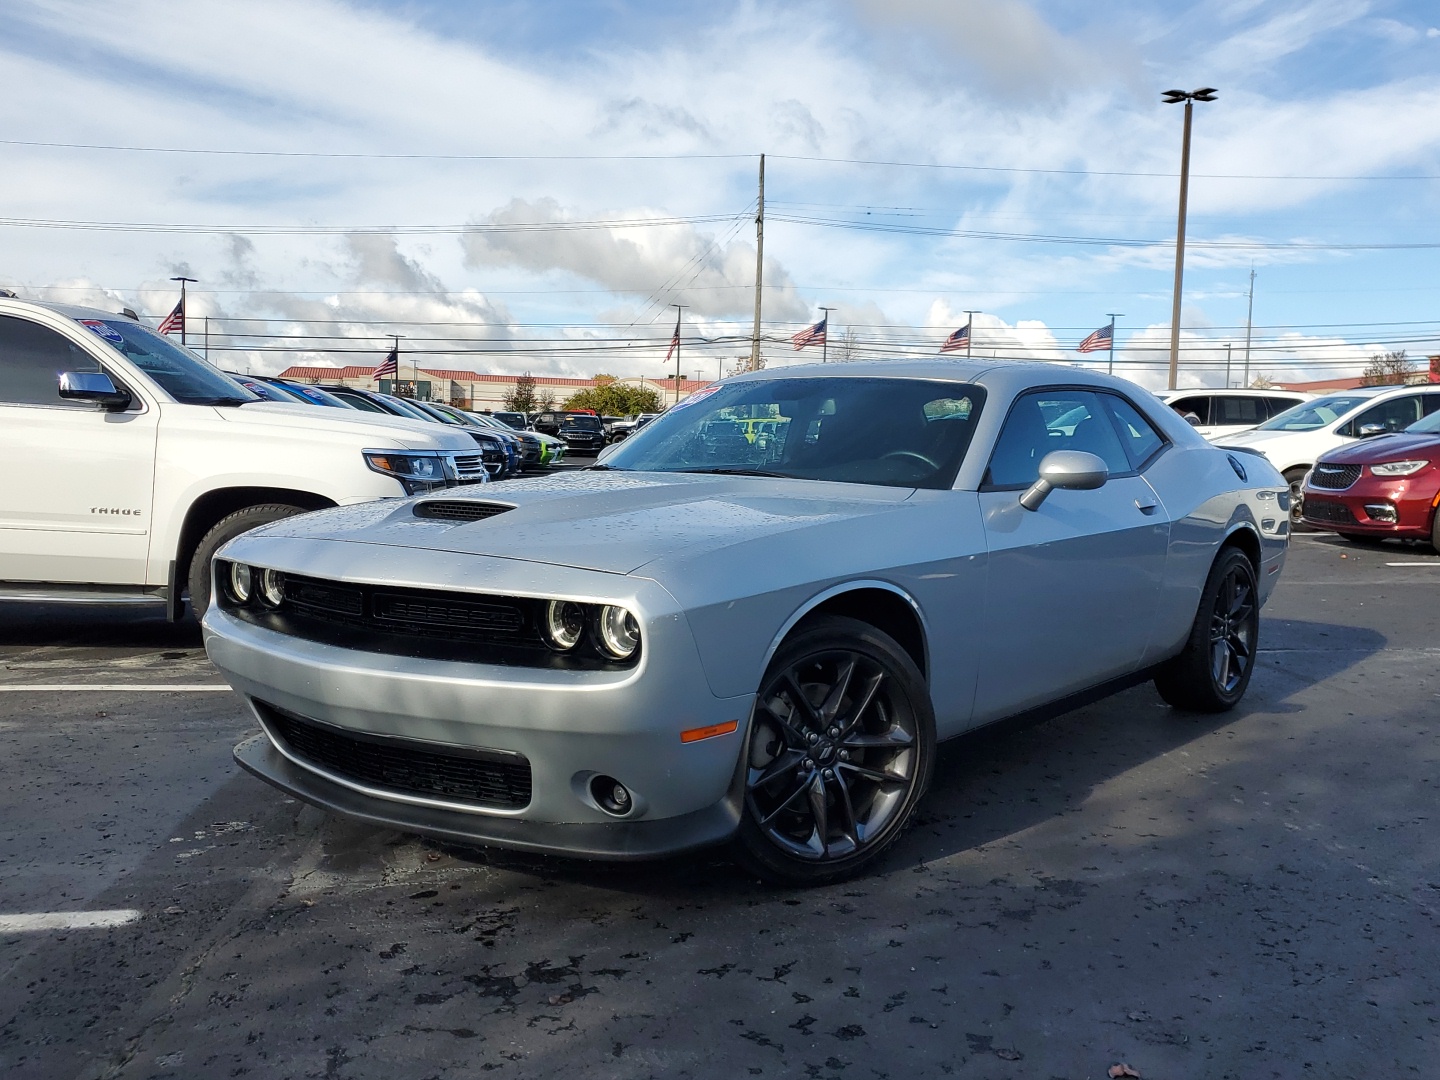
610 397
522 398
849 346
1386 369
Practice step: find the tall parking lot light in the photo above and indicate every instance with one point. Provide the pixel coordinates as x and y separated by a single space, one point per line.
1174 97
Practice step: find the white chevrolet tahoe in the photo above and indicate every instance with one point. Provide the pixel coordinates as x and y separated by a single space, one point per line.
130 461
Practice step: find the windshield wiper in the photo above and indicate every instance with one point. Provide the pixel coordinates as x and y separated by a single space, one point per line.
736 470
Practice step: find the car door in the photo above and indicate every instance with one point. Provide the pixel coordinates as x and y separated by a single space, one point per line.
75 502
1072 587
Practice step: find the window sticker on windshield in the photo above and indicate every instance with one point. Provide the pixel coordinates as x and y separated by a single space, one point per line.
697 397
105 330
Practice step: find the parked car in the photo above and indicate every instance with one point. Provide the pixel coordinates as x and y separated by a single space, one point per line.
581 431
136 460
673 650
529 447
1384 487
499 464
1227 412
517 420
623 429
1296 438
511 442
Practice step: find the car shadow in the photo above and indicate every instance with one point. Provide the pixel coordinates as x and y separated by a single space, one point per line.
84 625
1011 776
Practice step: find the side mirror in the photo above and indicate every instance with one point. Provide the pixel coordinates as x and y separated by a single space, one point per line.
94 386
1068 470
1369 431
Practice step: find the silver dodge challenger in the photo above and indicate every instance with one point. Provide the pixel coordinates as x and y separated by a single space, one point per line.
751 622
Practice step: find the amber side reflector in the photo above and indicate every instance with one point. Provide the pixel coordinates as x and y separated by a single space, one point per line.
695 734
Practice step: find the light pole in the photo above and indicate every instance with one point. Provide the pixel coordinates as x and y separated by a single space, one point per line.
1174 97
969 330
825 341
1227 365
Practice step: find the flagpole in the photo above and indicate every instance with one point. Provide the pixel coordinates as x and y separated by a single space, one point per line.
759 270
969 330
183 313
825 341
679 313
1110 366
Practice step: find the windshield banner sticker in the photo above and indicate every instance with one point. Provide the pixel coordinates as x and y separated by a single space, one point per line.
105 330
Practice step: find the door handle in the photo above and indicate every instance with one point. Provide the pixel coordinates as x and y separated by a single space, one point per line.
1145 506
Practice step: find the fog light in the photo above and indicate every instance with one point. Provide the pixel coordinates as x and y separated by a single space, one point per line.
564 623
611 796
272 587
1383 512
240 582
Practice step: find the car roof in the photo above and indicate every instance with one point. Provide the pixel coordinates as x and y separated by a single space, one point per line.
1234 391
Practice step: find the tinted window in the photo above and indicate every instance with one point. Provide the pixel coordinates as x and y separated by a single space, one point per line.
1199 404
32 359
1239 410
1046 420
1394 415
1310 415
1141 441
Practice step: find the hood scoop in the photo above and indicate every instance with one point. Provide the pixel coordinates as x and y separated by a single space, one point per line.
459 509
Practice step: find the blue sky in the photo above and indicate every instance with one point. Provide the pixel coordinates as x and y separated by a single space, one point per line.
489 179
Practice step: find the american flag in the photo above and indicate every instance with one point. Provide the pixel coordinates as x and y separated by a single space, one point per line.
958 340
674 341
175 320
1097 341
811 335
389 366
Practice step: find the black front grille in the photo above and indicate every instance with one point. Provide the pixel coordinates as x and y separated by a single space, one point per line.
1327 510
483 778
1334 477
459 509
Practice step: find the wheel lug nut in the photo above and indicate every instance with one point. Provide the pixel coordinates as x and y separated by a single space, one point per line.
829 774
812 738
844 755
834 731
809 764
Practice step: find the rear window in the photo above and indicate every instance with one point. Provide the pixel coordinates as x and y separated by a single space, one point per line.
585 423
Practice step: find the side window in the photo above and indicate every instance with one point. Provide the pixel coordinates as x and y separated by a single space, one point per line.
1046 420
1394 415
1239 410
1276 405
1431 404
1199 404
1141 441
32 359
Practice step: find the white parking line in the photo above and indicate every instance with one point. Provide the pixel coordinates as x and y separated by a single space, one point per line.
1432 562
169 688
67 920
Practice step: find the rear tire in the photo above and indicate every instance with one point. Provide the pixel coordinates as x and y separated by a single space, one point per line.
1435 530
839 751
221 533
1296 479
1212 671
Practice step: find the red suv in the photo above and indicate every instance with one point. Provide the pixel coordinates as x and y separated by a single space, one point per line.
1384 486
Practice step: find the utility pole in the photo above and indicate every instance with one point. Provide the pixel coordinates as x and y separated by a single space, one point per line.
759 270
969 330
1227 365
1110 364
1249 320
1174 97
184 313
825 342
679 311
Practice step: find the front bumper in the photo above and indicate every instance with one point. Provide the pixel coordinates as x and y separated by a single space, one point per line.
1381 508
570 725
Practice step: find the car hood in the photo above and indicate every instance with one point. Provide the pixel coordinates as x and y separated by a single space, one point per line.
378 432
608 521
1259 439
1380 448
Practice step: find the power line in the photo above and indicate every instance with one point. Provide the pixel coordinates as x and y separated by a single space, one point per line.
386 230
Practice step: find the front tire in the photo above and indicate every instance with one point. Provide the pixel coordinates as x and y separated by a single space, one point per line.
1211 673
1296 479
840 750
223 531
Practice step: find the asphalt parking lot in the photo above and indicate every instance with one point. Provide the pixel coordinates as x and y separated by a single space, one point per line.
1252 895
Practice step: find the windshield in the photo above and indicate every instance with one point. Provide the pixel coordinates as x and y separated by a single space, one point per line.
582 423
1429 426
313 394
889 432
178 371
1310 415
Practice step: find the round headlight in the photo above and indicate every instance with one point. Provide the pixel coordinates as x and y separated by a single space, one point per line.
240 582
272 587
564 623
619 632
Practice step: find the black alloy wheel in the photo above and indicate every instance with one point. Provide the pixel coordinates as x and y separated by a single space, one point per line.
1212 672
840 750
